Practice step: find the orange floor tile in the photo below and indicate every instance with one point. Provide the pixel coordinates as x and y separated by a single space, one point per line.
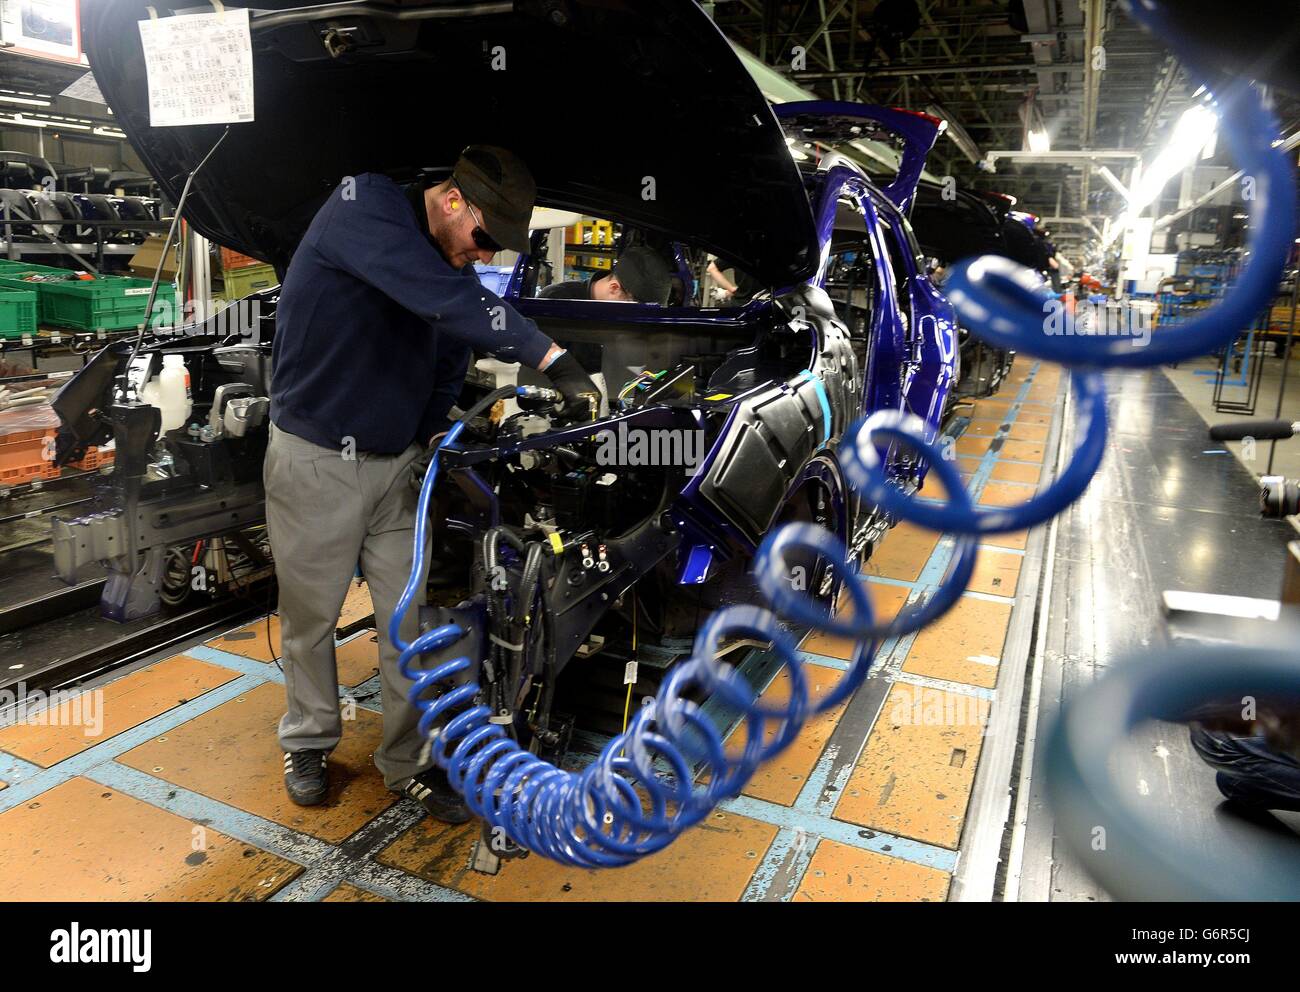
49 737
780 779
1024 451
839 873
1005 493
252 640
231 754
984 428
358 659
712 862
996 573
967 445
964 645
357 604
915 774
1027 432
81 841
886 599
1015 540
991 409
903 553
1015 472
350 893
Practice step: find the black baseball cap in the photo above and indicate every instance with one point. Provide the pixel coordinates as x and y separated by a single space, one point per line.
644 274
501 188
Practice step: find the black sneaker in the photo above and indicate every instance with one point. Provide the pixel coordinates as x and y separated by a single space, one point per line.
432 791
306 776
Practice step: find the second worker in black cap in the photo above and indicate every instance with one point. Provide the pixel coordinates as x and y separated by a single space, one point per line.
639 275
378 315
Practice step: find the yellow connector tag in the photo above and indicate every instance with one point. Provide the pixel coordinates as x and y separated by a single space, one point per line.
557 545
719 396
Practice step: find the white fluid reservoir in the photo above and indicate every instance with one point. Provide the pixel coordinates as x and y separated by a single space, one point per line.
173 392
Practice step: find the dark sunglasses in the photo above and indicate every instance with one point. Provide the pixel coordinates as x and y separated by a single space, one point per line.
482 239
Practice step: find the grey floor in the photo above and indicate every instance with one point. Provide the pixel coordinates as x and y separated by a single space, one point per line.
1198 390
1166 511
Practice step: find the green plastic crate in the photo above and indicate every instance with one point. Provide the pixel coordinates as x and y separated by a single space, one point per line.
7 267
241 282
110 303
16 279
17 312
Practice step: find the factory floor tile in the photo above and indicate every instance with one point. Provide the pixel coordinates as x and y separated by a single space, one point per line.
964 645
996 573
840 873
886 600
49 736
903 553
350 893
779 780
259 640
80 841
916 772
1023 472
712 862
231 754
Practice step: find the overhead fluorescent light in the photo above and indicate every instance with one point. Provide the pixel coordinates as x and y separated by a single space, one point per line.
1196 129
1039 141
25 101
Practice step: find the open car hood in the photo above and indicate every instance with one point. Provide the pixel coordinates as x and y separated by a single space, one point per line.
666 131
837 123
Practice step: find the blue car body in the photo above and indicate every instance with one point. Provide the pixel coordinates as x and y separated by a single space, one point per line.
906 362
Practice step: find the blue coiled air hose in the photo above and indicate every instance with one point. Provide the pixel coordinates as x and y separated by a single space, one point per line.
621 807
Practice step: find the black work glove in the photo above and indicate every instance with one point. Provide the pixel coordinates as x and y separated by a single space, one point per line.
420 464
581 397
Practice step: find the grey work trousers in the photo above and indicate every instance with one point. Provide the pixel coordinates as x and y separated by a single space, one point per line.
324 513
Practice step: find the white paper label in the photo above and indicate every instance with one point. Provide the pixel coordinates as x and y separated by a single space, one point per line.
200 68
138 291
629 673
86 89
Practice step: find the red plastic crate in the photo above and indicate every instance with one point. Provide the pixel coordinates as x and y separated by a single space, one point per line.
94 458
25 455
234 260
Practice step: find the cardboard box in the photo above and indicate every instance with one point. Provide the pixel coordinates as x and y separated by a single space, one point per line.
145 261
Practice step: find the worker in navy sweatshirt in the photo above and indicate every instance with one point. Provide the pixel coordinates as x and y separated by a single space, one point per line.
378 315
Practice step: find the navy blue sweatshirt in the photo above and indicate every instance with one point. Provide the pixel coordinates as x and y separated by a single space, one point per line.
374 328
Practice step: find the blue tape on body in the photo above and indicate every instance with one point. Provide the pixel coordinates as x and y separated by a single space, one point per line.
823 399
